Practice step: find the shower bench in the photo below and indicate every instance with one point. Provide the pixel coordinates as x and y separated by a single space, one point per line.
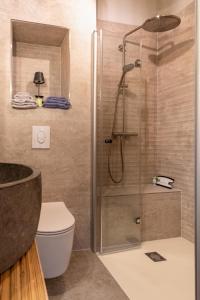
158 207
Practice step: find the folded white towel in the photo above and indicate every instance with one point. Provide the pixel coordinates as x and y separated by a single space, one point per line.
21 96
23 101
24 107
23 104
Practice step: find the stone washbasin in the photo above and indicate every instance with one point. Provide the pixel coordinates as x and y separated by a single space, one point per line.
20 204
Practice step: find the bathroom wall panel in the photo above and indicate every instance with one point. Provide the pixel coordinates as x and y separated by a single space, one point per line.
171 6
161 215
65 67
126 11
66 167
176 112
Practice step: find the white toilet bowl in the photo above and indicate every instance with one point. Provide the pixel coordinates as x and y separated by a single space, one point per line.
55 238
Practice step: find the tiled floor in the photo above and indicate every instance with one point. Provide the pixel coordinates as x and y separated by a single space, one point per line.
85 279
143 279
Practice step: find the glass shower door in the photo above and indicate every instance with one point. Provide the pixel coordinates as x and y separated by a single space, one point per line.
118 205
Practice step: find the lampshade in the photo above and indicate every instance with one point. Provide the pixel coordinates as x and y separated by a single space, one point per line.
38 78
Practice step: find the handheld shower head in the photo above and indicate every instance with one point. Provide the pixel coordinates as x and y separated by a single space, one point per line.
128 68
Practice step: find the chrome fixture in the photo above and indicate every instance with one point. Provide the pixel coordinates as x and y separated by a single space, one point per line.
138 63
155 24
161 23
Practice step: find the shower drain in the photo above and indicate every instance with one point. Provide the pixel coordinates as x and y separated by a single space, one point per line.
155 256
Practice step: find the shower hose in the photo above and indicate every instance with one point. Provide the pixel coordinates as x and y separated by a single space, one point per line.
120 137
121 161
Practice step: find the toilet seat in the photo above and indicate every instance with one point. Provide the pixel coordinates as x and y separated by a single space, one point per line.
45 233
55 219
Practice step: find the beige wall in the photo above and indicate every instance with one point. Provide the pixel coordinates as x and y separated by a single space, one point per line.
171 6
132 12
135 12
65 67
30 58
176 112
66 166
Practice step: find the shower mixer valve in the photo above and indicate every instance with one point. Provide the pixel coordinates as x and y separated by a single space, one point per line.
138 221
138 63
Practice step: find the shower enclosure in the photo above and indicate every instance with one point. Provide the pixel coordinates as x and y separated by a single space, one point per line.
124 148
119 145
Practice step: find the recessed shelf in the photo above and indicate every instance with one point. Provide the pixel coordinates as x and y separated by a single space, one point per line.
44 48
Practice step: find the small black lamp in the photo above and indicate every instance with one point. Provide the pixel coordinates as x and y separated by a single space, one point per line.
39 79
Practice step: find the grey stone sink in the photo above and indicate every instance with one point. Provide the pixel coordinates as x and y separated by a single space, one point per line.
20 204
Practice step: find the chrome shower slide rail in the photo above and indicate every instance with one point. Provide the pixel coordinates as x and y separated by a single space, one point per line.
125 134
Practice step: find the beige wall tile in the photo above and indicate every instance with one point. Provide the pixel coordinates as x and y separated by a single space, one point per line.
161 216
176 112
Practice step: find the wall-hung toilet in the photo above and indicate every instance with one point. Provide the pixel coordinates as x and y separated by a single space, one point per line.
55 238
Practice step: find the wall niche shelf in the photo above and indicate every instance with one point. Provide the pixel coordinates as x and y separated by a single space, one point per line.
40 47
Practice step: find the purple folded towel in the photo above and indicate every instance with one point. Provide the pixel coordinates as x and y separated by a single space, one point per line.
57 99
57 102
56 105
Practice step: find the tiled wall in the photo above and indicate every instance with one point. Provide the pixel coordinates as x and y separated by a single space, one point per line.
161 215
176 111
66 167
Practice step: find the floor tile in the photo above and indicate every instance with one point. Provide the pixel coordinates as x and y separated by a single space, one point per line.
85 279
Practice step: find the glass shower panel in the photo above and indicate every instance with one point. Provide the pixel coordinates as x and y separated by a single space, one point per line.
121 228
119 203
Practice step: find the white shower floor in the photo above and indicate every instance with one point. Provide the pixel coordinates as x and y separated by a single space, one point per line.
143 279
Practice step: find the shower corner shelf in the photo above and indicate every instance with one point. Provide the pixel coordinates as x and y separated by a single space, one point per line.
125 134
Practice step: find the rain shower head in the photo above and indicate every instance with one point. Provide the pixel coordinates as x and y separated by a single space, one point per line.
155 24
161 23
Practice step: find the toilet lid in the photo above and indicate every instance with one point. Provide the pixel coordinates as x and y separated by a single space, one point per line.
55 218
